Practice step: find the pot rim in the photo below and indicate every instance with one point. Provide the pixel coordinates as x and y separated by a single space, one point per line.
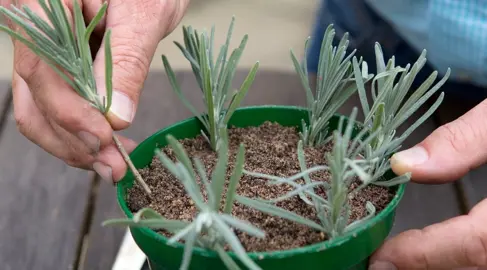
328 244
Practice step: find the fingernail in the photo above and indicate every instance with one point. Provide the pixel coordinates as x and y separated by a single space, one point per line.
382 266
104 171
122 106
411 157
90 140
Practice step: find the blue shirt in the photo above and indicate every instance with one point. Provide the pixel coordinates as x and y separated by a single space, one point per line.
454 32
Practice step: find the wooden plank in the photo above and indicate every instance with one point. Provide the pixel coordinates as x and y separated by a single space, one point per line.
42 203
160 107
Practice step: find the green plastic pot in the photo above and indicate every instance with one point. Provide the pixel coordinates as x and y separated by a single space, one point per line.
350 251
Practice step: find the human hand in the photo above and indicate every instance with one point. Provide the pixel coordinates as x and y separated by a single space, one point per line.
446 155
60 121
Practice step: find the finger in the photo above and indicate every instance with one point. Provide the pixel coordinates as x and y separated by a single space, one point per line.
136 29
109 163
56 100
456 243
178 9
67 109
32 124
90 9
449 152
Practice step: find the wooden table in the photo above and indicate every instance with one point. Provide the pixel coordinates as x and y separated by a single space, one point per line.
51 214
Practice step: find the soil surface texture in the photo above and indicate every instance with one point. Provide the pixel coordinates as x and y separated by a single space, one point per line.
270 149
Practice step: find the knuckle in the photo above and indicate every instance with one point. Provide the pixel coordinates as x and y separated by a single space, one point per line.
75 161
132 65
172 12
152 10
168 10
457 135
476 248
26 64
421 258
77 157
76 117
22 123
67 120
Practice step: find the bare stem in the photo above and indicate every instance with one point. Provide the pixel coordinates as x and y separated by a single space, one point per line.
134 170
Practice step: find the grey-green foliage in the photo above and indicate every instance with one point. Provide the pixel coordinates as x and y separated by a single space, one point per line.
66 52
334 85
344 167
214 77
390 109
211 228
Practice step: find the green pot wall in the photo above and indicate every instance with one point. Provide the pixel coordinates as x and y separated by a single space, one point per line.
350 251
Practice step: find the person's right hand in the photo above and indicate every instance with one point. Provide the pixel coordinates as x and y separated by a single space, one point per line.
60 121
447 154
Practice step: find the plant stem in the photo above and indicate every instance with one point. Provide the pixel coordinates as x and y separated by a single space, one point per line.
134 170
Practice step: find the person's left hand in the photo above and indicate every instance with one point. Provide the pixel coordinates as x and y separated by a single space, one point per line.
50 114
446 155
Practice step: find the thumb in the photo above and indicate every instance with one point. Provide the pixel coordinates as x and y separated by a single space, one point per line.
456 243
135 34
449 152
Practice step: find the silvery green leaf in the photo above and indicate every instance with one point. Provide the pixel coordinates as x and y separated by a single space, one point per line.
365 70
168 164
289 179
359 171
219 175
410 111
424 117
242 225
277 211
180 154
203 221
371 213
361 87
233 241
181 234
177 89
333 85
307 188
341 223
234 179
147 213
169 225
323 216
226 259
215 79
190 240
242 92
379 58
200 168
302 164
394 181
304 78
191 187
